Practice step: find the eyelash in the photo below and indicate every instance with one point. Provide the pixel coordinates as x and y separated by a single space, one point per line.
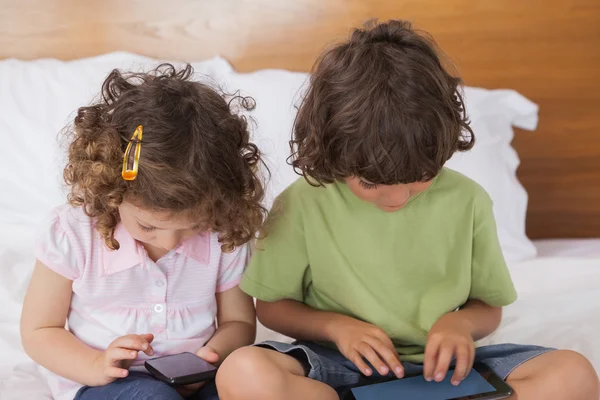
145 228
367 185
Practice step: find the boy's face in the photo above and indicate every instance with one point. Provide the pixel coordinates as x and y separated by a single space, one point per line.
161 230
388 198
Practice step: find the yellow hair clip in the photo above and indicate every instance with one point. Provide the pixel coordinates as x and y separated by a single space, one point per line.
131 174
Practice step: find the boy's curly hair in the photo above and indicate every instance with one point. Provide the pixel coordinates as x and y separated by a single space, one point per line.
196 155
380 106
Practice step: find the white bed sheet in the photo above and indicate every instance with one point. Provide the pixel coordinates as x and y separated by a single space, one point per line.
558 306
588 248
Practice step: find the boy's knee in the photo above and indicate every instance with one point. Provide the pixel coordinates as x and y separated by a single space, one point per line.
248 373
575 373
242 363
557 375
575 368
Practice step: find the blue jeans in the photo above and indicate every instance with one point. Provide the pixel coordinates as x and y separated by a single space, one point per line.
139 385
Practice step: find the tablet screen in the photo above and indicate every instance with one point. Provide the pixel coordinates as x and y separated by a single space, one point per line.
417 388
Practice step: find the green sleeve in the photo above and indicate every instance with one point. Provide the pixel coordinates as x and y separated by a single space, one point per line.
490 278
278 268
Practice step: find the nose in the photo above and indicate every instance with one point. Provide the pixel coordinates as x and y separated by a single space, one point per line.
170 240
396 195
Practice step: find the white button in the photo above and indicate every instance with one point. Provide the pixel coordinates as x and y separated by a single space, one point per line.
159 283
158 308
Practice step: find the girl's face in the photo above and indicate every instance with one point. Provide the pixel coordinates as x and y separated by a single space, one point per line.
161 230
388 198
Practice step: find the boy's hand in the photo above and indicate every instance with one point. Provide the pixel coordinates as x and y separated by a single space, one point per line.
114 362
356 339
449 337
208 354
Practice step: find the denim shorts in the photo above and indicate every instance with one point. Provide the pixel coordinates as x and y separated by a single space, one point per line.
331 367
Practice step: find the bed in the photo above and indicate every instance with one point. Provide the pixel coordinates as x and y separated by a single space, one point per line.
538 152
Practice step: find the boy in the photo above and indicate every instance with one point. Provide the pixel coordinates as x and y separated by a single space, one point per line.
381 262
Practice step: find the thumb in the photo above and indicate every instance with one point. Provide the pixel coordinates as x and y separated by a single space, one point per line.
208 354
125 364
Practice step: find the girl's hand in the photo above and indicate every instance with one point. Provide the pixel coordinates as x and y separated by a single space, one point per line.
114 362
208 354
449 338
357 339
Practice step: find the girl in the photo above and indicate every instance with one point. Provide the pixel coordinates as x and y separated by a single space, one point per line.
164 196
367 259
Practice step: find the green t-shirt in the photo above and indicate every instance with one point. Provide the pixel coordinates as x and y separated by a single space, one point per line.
400 271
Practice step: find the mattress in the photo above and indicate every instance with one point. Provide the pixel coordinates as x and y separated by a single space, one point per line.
558 306
588 248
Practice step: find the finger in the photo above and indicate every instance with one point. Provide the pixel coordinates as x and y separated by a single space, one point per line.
148 337
367 352
390 357
385 339
397 367
471 359
443 362
357 359
132 342
149 351
115 354
208 354
430 361
115 372
462 364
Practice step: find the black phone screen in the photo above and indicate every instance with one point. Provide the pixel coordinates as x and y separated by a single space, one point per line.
417 388
178 365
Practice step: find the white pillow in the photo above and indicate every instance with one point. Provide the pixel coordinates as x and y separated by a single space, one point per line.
39 98
493 162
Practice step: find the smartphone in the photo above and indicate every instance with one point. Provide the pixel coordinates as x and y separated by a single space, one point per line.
181 369
481 383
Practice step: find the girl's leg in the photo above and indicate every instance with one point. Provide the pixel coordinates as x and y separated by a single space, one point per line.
557 375
258 373
136 386
207 392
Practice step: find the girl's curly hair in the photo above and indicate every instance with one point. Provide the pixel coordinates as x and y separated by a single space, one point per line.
381 106
196 155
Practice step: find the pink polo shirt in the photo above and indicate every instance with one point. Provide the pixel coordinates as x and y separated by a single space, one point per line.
120 292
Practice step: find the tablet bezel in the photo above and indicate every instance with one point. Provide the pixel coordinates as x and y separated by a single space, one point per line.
182 380
503 389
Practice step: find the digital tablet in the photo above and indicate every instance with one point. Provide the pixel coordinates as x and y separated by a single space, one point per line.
481 383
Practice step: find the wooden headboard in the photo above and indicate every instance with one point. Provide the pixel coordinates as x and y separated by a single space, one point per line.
548 50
